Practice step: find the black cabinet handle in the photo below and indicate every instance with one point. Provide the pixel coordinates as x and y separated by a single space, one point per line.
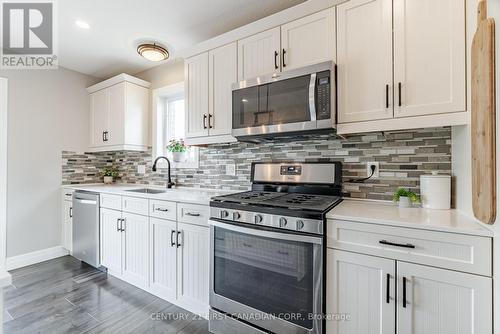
103 136
399 93
284 52
388 287
404 292
204 121
71 212
172 242
210 116
177 239
385 242
386 96
118 225
123 222
276 60
192 214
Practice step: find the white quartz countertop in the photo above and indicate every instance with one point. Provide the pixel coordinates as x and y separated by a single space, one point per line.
180 194
390 214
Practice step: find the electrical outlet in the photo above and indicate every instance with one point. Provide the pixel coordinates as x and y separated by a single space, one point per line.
141 169
376 174
231 169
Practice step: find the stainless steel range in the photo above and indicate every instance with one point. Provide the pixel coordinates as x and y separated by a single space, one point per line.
268 247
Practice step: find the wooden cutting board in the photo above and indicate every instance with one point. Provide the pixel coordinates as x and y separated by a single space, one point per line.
483 118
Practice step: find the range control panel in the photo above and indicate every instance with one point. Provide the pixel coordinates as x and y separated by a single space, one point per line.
291 170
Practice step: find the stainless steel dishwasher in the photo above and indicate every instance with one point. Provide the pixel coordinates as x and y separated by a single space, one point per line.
86 224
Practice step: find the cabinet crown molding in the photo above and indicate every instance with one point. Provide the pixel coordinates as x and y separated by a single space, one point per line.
117 79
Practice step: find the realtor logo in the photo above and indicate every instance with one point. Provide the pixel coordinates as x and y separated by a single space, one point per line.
28 34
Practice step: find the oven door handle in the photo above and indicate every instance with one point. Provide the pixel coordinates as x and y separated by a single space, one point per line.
312 97
267 233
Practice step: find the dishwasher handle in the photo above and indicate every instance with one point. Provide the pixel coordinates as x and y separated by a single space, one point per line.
84 201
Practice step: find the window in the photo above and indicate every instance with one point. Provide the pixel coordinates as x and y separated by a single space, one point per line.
169 124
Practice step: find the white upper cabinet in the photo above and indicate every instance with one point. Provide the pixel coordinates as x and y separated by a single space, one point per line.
364 60
119 114
432 300
364 287
222 74
309 40
259 54
196 92
429 57
99 115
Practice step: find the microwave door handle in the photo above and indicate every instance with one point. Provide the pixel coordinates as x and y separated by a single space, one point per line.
312 97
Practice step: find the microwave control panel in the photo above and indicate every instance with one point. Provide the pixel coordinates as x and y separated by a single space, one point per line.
323 95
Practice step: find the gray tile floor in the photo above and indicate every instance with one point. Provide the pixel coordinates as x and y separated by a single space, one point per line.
65 296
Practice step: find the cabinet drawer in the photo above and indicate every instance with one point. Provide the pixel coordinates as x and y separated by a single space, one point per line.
440 249
67 194
193 213
163 209
111 201
135 205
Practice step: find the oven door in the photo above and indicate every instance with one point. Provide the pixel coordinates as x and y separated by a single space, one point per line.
270 279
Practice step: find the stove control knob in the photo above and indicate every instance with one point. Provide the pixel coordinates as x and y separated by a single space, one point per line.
258 219
300 225
224 214
283 222
236 215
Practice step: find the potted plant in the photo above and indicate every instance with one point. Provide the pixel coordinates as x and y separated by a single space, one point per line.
178 150
405 197
109 173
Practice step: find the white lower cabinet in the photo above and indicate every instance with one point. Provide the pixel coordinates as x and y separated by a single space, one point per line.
135 232
193 257
67 225
442 301
429 300
361 287
111 241
167 258
163 258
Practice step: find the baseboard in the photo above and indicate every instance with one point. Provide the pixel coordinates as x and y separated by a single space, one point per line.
23 260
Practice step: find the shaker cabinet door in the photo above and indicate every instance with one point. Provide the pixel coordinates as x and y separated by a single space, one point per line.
163 258
111 241
364 60
196 95
136 249
362 287
429 57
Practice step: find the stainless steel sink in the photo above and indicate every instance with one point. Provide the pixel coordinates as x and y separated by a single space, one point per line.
147 191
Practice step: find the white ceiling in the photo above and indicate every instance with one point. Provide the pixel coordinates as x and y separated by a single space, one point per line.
118 26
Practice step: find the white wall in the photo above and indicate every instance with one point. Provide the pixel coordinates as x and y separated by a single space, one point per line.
164 75
48 112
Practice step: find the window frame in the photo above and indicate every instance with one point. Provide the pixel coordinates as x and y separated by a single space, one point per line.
160 98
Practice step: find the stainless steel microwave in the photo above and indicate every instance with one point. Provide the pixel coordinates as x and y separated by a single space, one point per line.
296 101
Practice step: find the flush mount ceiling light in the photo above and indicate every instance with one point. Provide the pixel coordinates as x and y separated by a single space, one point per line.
152 52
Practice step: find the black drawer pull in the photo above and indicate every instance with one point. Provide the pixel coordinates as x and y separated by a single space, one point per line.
161 209
247 245
282 253
385 242
192 214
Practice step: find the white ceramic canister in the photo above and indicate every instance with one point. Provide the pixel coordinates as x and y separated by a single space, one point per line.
435 191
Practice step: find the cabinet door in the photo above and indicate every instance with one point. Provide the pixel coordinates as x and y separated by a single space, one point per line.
309 40
111 241
259 54
362 287
196 92
442 301
99 111
193 267
67 228
163 258
364 59
136 249
222 74
429 57
116 114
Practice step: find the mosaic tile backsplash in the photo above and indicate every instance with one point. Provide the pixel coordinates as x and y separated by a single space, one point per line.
403 156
